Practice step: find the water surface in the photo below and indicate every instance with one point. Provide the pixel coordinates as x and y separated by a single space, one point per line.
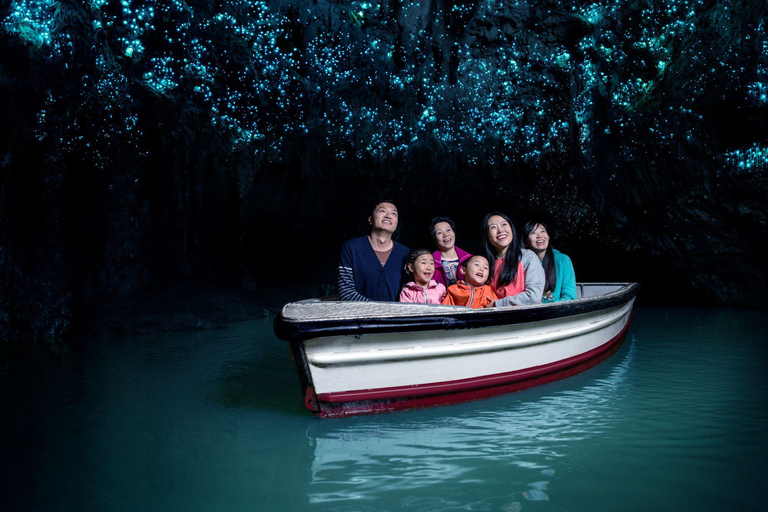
214 420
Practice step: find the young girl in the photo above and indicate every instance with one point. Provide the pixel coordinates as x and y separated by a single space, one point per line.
420 265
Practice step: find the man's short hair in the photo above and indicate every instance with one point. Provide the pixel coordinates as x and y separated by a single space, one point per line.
383 201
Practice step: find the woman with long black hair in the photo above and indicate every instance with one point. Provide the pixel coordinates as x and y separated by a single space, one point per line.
558 269
517 276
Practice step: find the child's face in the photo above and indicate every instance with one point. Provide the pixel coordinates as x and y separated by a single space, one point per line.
477 270
422 269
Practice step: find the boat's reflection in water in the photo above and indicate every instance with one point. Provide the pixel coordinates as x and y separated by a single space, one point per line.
515 442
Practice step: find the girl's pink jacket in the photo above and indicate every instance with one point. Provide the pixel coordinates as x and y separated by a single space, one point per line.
412 292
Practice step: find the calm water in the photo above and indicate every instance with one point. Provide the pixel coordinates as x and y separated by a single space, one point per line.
675 420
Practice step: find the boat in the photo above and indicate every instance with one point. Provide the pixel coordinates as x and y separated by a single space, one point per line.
368 357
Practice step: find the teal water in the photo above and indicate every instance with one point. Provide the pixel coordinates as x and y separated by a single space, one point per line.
214 420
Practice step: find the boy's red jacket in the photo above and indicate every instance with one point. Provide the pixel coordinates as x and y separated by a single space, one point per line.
462 294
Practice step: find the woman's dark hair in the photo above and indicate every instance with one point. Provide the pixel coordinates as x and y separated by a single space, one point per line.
549 257
413 256
508 271
438 220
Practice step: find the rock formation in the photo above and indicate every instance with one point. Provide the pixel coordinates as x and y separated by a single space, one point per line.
142 140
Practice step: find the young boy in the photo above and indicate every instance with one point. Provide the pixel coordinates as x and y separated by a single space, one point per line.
473 291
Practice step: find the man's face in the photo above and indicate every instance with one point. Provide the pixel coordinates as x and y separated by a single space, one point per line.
384 217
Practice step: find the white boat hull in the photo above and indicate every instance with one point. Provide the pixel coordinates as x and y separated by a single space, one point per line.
376 361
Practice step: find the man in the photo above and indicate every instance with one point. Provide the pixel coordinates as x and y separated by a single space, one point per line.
371 266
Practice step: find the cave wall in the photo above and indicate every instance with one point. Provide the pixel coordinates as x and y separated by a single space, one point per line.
147 140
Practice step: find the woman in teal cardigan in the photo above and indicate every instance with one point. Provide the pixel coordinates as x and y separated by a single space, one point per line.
561 279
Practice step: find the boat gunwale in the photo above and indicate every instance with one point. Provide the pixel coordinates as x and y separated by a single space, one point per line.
301 330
